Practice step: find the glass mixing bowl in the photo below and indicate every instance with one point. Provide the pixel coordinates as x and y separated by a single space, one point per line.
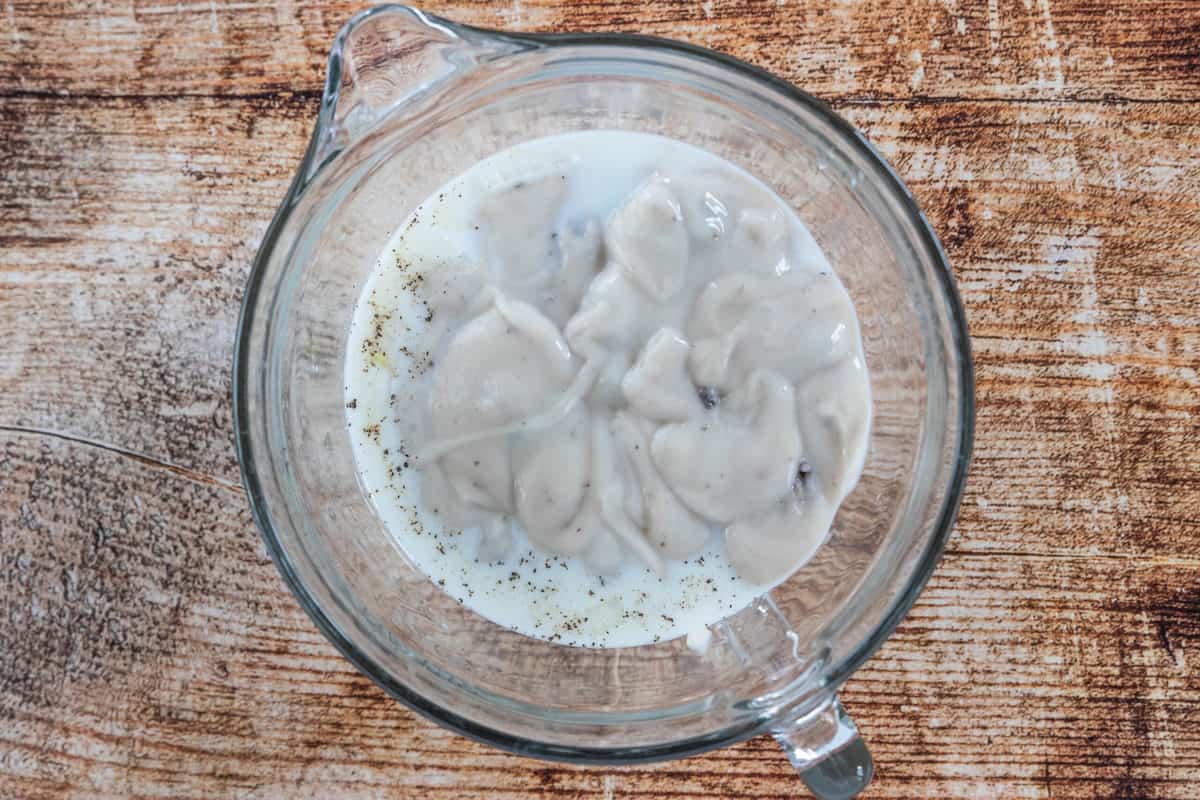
412 100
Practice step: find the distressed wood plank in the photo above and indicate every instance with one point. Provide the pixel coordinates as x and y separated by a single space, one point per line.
129 229
150 649
997 49
1074 232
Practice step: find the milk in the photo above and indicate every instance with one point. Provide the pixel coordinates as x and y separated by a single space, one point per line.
393 349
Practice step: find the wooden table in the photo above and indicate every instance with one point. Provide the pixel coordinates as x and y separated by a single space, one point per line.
147 646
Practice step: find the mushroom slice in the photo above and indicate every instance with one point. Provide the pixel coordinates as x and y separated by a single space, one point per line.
668 525
738 459
769 546
658 387
497 372
647 239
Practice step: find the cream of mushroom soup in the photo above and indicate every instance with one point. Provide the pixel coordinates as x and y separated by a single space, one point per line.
605 389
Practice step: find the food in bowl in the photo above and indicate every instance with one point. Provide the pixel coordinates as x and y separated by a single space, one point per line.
605 389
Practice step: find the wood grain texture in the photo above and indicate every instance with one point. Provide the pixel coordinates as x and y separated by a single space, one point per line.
1144 49
148 647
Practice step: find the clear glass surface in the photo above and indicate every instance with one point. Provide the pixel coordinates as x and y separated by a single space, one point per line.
411 101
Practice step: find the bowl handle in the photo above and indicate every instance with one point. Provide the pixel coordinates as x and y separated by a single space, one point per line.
825 748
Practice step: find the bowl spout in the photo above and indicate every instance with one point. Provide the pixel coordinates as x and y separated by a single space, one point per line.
388 58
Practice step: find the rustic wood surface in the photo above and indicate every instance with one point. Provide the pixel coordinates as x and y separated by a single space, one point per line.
147 646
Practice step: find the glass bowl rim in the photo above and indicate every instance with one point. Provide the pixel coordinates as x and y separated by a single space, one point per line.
839 672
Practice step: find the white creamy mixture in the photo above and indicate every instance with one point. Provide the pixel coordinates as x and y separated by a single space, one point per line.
605 389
